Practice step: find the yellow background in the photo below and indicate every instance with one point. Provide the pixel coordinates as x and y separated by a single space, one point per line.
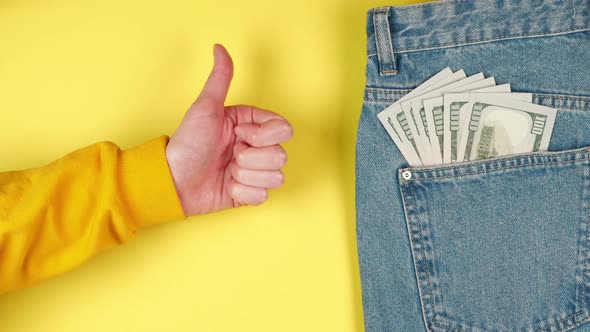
73 73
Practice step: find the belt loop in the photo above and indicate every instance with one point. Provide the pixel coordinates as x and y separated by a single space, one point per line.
384 42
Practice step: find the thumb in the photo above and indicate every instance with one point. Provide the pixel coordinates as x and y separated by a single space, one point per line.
217 84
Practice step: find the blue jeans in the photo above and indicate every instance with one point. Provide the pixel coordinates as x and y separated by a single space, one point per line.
494 245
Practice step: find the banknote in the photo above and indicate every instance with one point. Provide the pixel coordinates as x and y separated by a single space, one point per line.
432 133
519 96
452 117
405 120
404 143
414 111
398 126
455 104
498 125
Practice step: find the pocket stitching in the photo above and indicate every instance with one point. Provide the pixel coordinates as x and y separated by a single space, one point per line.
496 169
586 248
575 152
427 308
409 197
558 96
579 154
429 312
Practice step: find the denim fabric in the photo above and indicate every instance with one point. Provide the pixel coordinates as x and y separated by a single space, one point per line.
492 245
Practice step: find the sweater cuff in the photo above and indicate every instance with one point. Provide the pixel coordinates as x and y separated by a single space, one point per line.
147 185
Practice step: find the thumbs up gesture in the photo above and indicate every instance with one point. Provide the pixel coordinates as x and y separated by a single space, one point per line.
226 156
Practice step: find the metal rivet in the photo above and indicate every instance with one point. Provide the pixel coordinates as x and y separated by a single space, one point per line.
406 175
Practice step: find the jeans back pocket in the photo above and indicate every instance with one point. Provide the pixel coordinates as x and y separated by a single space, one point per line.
501 244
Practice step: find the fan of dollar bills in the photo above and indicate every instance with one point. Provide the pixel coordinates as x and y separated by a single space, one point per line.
452 118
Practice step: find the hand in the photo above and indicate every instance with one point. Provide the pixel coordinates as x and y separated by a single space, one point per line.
226 156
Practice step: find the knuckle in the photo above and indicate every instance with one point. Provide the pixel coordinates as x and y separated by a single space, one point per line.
240 158
255 139
234 191
239 175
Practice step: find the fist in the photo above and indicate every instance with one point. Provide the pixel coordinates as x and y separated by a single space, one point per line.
226 156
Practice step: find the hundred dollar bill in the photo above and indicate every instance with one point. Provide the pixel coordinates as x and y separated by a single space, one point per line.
393 128
496 126
408 122
431 112
397 128
456 104
466 109
414 111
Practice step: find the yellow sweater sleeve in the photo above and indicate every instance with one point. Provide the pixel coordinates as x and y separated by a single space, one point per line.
55 217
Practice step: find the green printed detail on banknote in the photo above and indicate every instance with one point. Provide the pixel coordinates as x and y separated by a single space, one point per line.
485 148
454 127
452 118
405 125
499 127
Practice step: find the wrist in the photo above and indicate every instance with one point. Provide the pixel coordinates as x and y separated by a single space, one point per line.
146 185
173 166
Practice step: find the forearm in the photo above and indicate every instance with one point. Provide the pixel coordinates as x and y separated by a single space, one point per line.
55 217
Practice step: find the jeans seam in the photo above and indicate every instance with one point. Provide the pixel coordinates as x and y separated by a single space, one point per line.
427 4
583 321
499 38
497 169
432 304
541 95
425 261
562 97
390 90
568 109
587 232
446 327
395 93
581 151
407 194
384 100
577 313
